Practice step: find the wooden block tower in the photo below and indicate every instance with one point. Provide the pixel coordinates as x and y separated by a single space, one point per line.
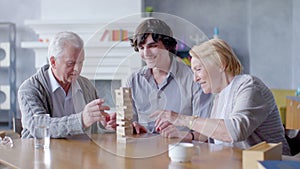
124 114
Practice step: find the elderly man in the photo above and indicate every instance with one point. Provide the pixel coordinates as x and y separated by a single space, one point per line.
59 90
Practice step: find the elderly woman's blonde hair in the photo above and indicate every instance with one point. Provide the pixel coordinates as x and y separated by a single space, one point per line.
218 51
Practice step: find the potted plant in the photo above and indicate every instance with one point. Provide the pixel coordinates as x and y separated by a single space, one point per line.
148 10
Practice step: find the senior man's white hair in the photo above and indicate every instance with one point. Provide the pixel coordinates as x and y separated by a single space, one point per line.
57 44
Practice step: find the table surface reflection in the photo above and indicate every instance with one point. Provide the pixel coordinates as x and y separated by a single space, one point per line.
144 151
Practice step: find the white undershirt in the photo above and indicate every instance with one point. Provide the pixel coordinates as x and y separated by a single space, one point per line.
219 112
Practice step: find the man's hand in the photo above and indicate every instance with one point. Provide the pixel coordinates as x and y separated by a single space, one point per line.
94 111
111 121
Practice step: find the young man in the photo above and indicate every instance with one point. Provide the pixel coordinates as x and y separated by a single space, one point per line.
59 90
164 83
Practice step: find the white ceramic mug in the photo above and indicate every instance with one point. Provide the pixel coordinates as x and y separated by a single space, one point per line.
181 152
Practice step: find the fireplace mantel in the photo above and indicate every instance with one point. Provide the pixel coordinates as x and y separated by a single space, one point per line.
104 60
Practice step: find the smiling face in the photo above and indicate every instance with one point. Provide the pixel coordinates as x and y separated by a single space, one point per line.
67 67
214 65
209 75
154 53
201 75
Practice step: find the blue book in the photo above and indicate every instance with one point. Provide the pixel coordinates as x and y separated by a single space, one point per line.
278 164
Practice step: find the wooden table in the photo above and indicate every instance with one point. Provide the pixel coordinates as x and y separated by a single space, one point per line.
146 151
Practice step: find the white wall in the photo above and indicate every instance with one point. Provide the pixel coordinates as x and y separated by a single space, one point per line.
88 9
18 11
265 34
296 45
270 42
270 39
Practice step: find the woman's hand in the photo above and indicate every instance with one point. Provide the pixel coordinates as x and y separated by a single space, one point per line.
166 123
163 116
139 129
169 131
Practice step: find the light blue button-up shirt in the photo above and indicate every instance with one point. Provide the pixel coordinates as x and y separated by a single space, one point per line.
178 93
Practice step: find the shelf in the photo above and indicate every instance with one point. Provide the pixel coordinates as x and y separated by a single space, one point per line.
107 60
103 60
120 44
46 29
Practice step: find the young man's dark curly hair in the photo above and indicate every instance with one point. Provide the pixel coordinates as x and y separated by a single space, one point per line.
159 31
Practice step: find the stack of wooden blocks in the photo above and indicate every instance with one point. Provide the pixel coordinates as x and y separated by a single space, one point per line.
124 114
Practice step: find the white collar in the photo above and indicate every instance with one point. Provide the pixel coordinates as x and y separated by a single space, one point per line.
55 85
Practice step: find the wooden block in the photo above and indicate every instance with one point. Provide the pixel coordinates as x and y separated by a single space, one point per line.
127 107
123 96
293 112
122 120
123 131
123 115
124 123
121 148
280 98
260 152
122 139
125 112
126 91
123 103
120 96
123 91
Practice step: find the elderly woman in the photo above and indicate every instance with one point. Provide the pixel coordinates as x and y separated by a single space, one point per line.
244 112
